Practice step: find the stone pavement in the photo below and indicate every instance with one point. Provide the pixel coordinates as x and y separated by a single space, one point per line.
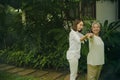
39 74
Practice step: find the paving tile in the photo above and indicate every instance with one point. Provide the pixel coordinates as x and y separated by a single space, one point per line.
6 67
39 73
15 70
3 65
67 77
80 77
52 75
61 77
26 72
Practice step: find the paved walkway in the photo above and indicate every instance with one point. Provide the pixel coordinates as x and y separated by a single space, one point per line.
39 74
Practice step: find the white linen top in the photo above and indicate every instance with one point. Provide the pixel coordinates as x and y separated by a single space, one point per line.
74 45
96 51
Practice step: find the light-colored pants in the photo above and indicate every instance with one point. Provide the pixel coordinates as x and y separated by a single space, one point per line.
73 68
93 72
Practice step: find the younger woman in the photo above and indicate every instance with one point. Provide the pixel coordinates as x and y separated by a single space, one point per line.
73 53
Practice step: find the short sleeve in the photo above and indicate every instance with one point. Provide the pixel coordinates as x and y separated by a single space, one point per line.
75 36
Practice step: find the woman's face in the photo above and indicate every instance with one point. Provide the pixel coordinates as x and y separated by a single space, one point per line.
79 26
96 29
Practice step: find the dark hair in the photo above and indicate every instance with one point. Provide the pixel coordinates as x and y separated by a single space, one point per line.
76 21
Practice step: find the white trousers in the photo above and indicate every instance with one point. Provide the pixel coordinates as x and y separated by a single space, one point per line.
73 68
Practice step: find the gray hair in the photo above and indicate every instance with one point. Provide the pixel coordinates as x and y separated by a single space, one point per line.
95 22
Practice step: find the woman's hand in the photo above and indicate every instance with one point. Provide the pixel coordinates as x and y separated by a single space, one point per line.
89 35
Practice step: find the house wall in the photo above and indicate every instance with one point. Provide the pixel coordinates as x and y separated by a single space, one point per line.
106 10
118 9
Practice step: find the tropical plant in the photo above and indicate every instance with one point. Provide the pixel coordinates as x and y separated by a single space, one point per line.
43 41
111 36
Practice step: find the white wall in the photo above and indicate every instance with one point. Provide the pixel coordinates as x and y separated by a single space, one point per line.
106 10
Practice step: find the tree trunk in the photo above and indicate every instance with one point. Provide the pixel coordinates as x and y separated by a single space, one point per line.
23 18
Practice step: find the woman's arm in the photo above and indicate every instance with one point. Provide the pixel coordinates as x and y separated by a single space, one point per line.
88 35
83 38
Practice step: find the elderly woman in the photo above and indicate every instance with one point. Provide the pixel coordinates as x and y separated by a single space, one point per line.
95 58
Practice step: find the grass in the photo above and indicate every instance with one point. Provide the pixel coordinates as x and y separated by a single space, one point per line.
9 76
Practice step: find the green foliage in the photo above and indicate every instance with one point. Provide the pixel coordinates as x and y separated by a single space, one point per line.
111 37
83 59
42 43
34 45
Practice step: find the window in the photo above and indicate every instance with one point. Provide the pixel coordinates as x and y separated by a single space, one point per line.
84 9
88 9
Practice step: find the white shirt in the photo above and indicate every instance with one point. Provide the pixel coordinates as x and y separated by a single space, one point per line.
96 51
74 45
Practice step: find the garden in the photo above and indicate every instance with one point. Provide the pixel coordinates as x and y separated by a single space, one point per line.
35 35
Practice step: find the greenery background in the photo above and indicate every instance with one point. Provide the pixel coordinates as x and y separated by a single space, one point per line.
33 34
